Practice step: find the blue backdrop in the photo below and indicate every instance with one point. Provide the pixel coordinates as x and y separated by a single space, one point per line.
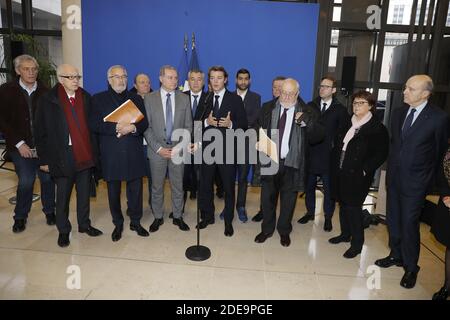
268 38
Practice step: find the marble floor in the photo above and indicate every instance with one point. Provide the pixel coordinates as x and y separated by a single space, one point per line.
32 266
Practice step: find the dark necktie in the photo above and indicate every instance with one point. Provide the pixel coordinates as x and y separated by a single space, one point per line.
216 106
72 109
169 123
408 122
194 105
281 126
324 107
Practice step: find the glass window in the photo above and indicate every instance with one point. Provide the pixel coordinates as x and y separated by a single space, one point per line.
17 14
419 8
399 12
46 14
337 14
360 44
3 21
448 17
355 11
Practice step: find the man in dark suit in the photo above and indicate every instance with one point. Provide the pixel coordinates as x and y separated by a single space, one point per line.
224 113
65 145
334 117
252 106
120 150
18 101
296 124
196 80
276 90
418 143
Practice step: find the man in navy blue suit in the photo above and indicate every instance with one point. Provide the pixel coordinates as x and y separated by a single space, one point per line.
224 112
418 143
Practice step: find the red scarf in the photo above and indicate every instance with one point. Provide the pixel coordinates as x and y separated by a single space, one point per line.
78 129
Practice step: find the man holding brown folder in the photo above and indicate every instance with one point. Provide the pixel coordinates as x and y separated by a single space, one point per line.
120 150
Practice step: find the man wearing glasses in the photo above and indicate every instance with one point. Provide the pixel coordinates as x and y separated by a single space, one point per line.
120 150
334 117
17 109
66 149
297 126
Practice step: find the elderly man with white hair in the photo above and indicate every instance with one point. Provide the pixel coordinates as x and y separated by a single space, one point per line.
297 127
17 108
66 149
120 150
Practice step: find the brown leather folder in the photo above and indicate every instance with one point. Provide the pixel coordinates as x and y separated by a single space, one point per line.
127 112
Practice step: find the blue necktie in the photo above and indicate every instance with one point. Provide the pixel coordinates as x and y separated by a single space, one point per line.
194 105
169 123
408 122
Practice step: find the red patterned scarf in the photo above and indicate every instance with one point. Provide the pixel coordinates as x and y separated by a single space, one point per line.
78 129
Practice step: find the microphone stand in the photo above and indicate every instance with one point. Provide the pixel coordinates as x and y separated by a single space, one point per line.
198 252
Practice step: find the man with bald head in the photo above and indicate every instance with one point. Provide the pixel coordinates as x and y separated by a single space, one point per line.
120 147
418 143
66 149
297 126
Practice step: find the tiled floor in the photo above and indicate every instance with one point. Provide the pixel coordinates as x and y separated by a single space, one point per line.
32 266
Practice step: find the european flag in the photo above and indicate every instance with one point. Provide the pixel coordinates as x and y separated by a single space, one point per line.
193 64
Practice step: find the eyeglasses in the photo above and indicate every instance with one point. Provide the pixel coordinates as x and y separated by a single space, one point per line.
117 77
359 103
71 77
322 86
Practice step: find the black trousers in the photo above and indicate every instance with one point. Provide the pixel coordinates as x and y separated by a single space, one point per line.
134 199
190 178
64 186
281 185
206 196
403 223
351 221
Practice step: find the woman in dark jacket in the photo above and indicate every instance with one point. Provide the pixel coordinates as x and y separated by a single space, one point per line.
441 223
359 151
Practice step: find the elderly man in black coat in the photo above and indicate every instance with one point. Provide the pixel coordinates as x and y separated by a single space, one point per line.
120 150
297 127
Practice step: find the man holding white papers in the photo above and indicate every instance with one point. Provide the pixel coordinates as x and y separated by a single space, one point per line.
120 150
296 125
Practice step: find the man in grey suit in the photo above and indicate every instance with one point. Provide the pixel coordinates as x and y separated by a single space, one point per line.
167 110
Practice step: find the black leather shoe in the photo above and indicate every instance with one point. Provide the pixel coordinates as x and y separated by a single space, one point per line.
139 230
258 217
262 237
19 225
351 253
441 295
51 219
285 240
409 280
228 230
340 238
328 225
155 225
307 217
181 224
91 231
389 261
193 195
117 233
63 240
204 223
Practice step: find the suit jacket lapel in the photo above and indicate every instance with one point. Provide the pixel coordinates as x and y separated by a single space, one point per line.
177 115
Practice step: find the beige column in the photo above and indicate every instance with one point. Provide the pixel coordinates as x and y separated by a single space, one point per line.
72 49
